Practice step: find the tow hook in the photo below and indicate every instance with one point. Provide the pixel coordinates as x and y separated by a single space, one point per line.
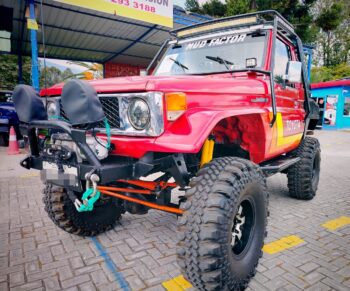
91 194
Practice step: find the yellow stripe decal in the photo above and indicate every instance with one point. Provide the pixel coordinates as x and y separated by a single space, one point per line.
281 139
337 223
177 284
282 244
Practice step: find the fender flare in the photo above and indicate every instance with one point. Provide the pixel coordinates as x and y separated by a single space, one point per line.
189 132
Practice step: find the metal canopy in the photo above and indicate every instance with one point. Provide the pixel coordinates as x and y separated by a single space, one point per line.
74 33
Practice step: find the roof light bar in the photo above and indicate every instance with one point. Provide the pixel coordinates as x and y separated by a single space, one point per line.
216 25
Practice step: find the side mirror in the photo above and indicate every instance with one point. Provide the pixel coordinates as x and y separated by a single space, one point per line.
293 72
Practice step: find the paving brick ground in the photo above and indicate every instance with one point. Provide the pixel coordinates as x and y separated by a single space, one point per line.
36 255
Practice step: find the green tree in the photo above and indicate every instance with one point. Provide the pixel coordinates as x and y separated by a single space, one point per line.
235 7
295 11
50 76
193 6
214 8
329 20
323 74
9 71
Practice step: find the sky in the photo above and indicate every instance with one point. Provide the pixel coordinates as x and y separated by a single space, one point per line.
179 3
182 2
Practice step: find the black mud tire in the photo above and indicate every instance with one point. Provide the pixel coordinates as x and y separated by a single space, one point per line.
62 212
303 177
204 251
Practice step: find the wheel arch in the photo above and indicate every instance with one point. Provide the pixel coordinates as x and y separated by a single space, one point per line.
190 131
245 132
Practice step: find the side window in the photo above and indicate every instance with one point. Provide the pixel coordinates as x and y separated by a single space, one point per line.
346 106
282 56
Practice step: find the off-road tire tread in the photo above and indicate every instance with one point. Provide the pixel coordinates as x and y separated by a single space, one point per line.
56 200
300 174
205 222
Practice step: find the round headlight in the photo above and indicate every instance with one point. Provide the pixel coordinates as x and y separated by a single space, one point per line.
139 113
51 109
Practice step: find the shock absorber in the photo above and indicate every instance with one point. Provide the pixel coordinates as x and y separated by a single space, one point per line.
207 151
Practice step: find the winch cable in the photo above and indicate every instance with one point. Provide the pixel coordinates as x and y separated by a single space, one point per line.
108 134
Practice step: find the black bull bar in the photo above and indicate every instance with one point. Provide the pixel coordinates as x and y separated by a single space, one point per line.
109 170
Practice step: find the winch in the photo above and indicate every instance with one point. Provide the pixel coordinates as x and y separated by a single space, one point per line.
63 143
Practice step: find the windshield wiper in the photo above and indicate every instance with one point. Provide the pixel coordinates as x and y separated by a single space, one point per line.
221 61
182 66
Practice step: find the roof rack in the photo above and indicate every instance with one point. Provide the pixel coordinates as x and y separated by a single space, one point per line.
260 17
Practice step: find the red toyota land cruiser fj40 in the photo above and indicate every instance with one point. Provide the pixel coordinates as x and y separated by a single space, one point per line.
226 106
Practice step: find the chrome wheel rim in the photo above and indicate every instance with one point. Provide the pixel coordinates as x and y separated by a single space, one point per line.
242 228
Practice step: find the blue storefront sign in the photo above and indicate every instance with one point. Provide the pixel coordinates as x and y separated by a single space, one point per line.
333 98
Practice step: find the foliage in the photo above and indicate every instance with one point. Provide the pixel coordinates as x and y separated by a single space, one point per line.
214 8
235 7
193 6
297 12
332 19
9 71
323 74
50 76
55 76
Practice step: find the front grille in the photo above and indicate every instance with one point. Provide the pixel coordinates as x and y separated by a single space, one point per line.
110 106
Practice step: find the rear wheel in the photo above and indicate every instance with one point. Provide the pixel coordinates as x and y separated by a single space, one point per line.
222 231
303 177
62 212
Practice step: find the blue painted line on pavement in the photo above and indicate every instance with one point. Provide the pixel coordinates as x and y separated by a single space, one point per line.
111 266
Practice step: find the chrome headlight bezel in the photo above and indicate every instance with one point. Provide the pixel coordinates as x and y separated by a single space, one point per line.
155 125
146 113
155 104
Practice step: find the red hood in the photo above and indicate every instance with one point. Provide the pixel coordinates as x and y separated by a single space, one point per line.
210 83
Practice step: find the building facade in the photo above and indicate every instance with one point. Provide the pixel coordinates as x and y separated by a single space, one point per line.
333 98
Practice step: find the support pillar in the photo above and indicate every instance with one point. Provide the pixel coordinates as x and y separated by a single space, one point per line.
34 46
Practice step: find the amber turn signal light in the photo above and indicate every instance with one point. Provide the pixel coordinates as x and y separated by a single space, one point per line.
175 104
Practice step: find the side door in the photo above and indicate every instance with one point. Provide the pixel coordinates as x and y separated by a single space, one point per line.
290 105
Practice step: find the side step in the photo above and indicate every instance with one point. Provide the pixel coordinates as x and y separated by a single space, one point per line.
272 167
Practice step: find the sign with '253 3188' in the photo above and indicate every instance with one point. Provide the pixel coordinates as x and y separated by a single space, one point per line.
153 11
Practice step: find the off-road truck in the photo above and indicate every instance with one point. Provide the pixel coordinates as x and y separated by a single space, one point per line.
227 105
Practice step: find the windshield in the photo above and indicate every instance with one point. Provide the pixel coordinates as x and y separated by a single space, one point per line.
215 54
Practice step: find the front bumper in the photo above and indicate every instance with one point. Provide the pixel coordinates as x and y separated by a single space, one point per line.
109 170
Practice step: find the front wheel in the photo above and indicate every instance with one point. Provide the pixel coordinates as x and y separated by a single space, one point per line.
222 231
303 177
62 212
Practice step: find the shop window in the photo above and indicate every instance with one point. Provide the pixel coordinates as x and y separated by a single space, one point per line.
346 106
